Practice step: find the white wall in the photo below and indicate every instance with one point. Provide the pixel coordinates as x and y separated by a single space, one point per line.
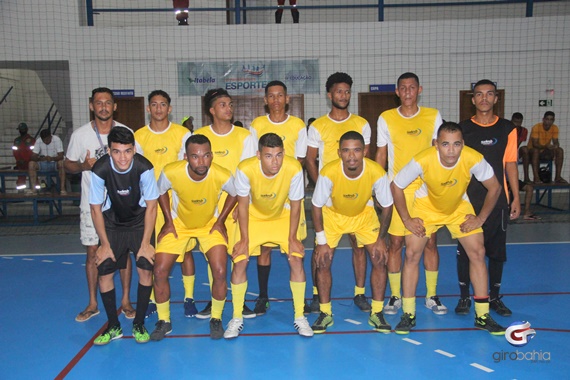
524 55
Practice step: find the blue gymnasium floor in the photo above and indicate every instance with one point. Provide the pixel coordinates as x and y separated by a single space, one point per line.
41 295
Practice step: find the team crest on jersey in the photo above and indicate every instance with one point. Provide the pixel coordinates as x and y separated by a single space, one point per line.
415 132
268 196
199 202
450 183
162 150
221 153
350 196
489 142
125 192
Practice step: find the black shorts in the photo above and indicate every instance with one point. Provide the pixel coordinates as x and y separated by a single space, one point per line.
122 243
495 235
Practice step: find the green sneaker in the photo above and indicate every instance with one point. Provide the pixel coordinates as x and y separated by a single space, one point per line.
140 333
323 321
485 322
407 322
112 333
379 323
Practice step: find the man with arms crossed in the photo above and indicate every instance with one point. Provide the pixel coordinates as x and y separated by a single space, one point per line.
445 170
294 134
343 204
123 207
87 144
402 133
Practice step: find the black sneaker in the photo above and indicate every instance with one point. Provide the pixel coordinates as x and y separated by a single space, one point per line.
162 328
407 322
379 323
261 306
485 322
500 308
463 306
362 303
216 328
323 321
247 313
206 313
315 306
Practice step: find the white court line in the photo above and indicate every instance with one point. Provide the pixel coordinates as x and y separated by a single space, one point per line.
67 263
253 294
47 261
206 284
481 367
353 321
412 341
7 257
27 259
445 353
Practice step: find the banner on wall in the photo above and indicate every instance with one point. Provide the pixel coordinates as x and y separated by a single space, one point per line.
248 77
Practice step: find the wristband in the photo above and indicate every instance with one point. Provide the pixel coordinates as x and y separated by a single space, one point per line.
321 238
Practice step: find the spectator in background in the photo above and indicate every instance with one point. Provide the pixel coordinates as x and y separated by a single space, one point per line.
544 146
522 134
279 11
188 122
22 150
181 11
47 155
238 123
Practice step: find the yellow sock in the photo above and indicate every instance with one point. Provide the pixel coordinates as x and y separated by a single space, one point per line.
431 283
358 290
409 305
326 308
298 292
481 308
315 290
395 284
238 298
377 306
217 308
210 278
163 310
188 286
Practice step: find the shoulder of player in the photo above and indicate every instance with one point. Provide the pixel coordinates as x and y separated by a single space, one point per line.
143 161
247 163
218 169
174 166
357 119
102 163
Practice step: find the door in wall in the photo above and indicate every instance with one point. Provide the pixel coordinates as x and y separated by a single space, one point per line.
467 109
370 106
130 111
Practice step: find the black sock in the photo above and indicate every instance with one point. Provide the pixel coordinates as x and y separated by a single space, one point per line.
263 279
110 303
495 277
463 271
143 296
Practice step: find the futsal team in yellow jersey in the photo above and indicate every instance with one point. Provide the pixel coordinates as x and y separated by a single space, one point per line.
238 193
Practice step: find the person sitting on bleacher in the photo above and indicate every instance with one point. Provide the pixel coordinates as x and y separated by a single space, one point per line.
47 156
22 150
544 146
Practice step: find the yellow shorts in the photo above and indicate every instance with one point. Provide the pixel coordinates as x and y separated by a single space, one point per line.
364 226
301 231
397 227
188 236
433 221
158 225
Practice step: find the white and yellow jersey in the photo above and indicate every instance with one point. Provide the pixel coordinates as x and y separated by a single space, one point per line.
269 195
350 196
292 131
406 136
162 148
232 148
445 187
195 202
325 133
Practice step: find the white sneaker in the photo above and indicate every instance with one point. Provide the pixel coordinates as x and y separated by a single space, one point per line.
302 326
394 304
435 305
234 328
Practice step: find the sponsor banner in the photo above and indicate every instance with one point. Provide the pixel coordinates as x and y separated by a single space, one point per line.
248 77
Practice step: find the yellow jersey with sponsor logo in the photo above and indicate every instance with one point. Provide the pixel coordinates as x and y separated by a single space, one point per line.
269 195
194 202
292 131
162 148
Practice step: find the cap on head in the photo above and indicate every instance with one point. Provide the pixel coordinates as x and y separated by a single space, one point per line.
22 127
